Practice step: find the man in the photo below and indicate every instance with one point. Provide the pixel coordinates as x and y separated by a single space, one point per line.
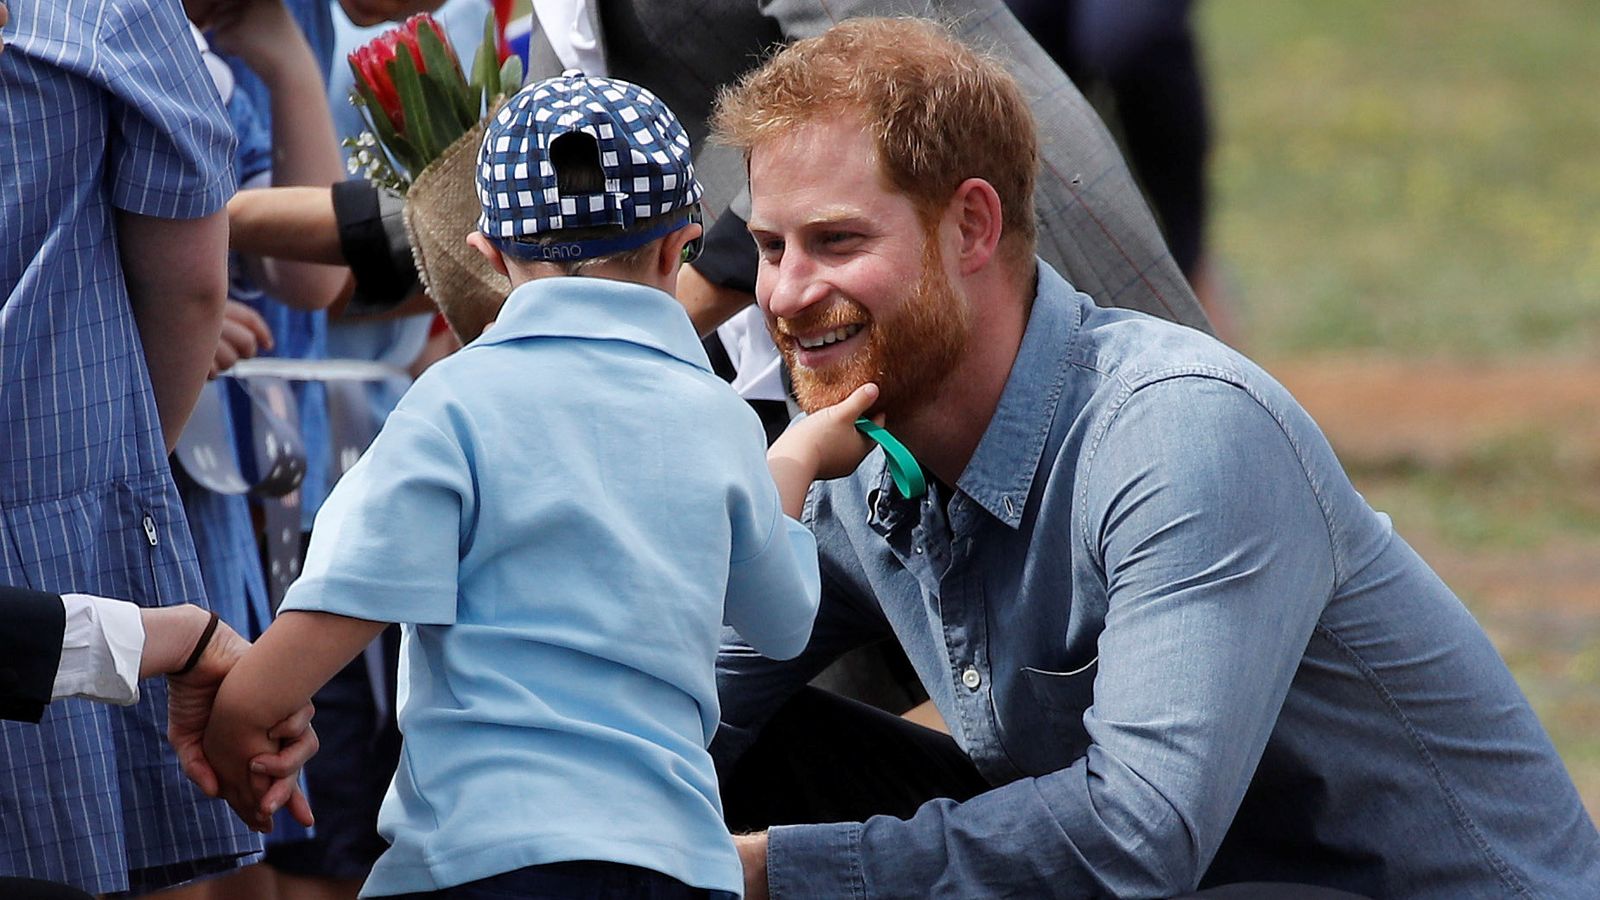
1173 645
112 278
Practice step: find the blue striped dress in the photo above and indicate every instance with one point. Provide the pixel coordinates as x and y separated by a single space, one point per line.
105 107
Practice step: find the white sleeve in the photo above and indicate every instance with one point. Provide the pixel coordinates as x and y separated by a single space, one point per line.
100 650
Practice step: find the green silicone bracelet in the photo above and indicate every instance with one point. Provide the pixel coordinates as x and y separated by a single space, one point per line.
903 467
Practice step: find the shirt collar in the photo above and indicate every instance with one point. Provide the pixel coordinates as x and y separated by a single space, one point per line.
1000 474
598 309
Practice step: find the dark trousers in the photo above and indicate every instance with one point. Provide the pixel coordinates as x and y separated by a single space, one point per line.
33 889
823 758
560 881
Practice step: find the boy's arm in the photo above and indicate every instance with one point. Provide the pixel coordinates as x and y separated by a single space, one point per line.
274 679
773 583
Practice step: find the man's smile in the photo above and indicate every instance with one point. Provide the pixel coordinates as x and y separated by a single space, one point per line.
820 349
828 337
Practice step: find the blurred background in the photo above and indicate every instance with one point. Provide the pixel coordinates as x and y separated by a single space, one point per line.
1405 227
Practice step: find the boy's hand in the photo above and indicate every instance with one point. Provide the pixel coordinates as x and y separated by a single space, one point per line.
824 444
827 441
244 334
229 744
272 780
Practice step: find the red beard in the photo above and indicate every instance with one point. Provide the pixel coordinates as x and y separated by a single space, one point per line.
908 353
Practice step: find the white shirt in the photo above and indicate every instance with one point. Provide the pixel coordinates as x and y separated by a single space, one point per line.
755 359
570 31
100 650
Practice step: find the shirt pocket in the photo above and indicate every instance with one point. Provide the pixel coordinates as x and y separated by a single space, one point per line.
1063 697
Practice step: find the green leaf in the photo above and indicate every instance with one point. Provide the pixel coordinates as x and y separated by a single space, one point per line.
444 71
420 129
397 148
511 75
485 73
442 113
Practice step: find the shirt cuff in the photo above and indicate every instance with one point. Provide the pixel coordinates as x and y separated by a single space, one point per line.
100 650
815 861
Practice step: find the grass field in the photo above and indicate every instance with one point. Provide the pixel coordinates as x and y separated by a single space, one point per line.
1419 177
1415 188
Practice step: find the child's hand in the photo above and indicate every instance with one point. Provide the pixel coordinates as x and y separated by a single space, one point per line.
827 441
244 334
824 444
256 770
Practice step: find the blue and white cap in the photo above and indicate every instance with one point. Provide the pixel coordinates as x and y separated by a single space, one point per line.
644 157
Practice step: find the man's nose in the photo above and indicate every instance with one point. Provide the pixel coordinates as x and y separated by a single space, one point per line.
789 286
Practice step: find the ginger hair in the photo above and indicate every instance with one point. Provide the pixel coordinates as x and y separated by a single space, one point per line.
939 112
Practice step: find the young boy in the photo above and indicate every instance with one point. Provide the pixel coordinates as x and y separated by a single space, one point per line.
563 514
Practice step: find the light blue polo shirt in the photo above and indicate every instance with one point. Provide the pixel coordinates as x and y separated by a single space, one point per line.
563 514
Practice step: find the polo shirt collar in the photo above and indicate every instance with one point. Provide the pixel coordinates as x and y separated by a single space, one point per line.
577 306
1000 474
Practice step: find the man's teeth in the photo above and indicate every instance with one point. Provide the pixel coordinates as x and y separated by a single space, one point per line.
832 337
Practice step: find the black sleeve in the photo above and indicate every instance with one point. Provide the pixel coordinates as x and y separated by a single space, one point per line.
372 237
729 258
30 651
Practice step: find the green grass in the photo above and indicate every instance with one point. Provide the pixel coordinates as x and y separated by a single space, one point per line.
1514 492
1420 177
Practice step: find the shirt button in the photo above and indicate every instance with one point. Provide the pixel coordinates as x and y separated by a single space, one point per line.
971 678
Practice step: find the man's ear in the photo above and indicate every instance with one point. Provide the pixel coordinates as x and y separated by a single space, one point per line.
670 257
975 211
482 244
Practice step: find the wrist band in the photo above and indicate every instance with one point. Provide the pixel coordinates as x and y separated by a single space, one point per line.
903 467
200 646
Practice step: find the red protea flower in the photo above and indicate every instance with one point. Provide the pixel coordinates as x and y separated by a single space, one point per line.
407 34
371 66
418 101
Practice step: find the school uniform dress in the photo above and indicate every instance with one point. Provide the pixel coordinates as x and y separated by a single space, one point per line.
108 108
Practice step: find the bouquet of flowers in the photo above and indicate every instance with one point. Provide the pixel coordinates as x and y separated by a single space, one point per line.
417 101
426 121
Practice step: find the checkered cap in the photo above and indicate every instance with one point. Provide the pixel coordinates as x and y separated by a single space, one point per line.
644 156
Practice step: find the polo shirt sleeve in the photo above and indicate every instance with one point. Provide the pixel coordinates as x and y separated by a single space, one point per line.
171 149
773 583
388 541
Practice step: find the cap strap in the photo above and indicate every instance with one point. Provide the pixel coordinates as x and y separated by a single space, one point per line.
528 250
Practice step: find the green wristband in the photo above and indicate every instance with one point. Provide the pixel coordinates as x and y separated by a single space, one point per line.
903 467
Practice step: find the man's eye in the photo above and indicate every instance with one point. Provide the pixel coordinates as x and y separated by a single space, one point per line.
838 242
771 248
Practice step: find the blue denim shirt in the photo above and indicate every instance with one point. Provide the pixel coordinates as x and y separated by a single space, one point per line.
1183 649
